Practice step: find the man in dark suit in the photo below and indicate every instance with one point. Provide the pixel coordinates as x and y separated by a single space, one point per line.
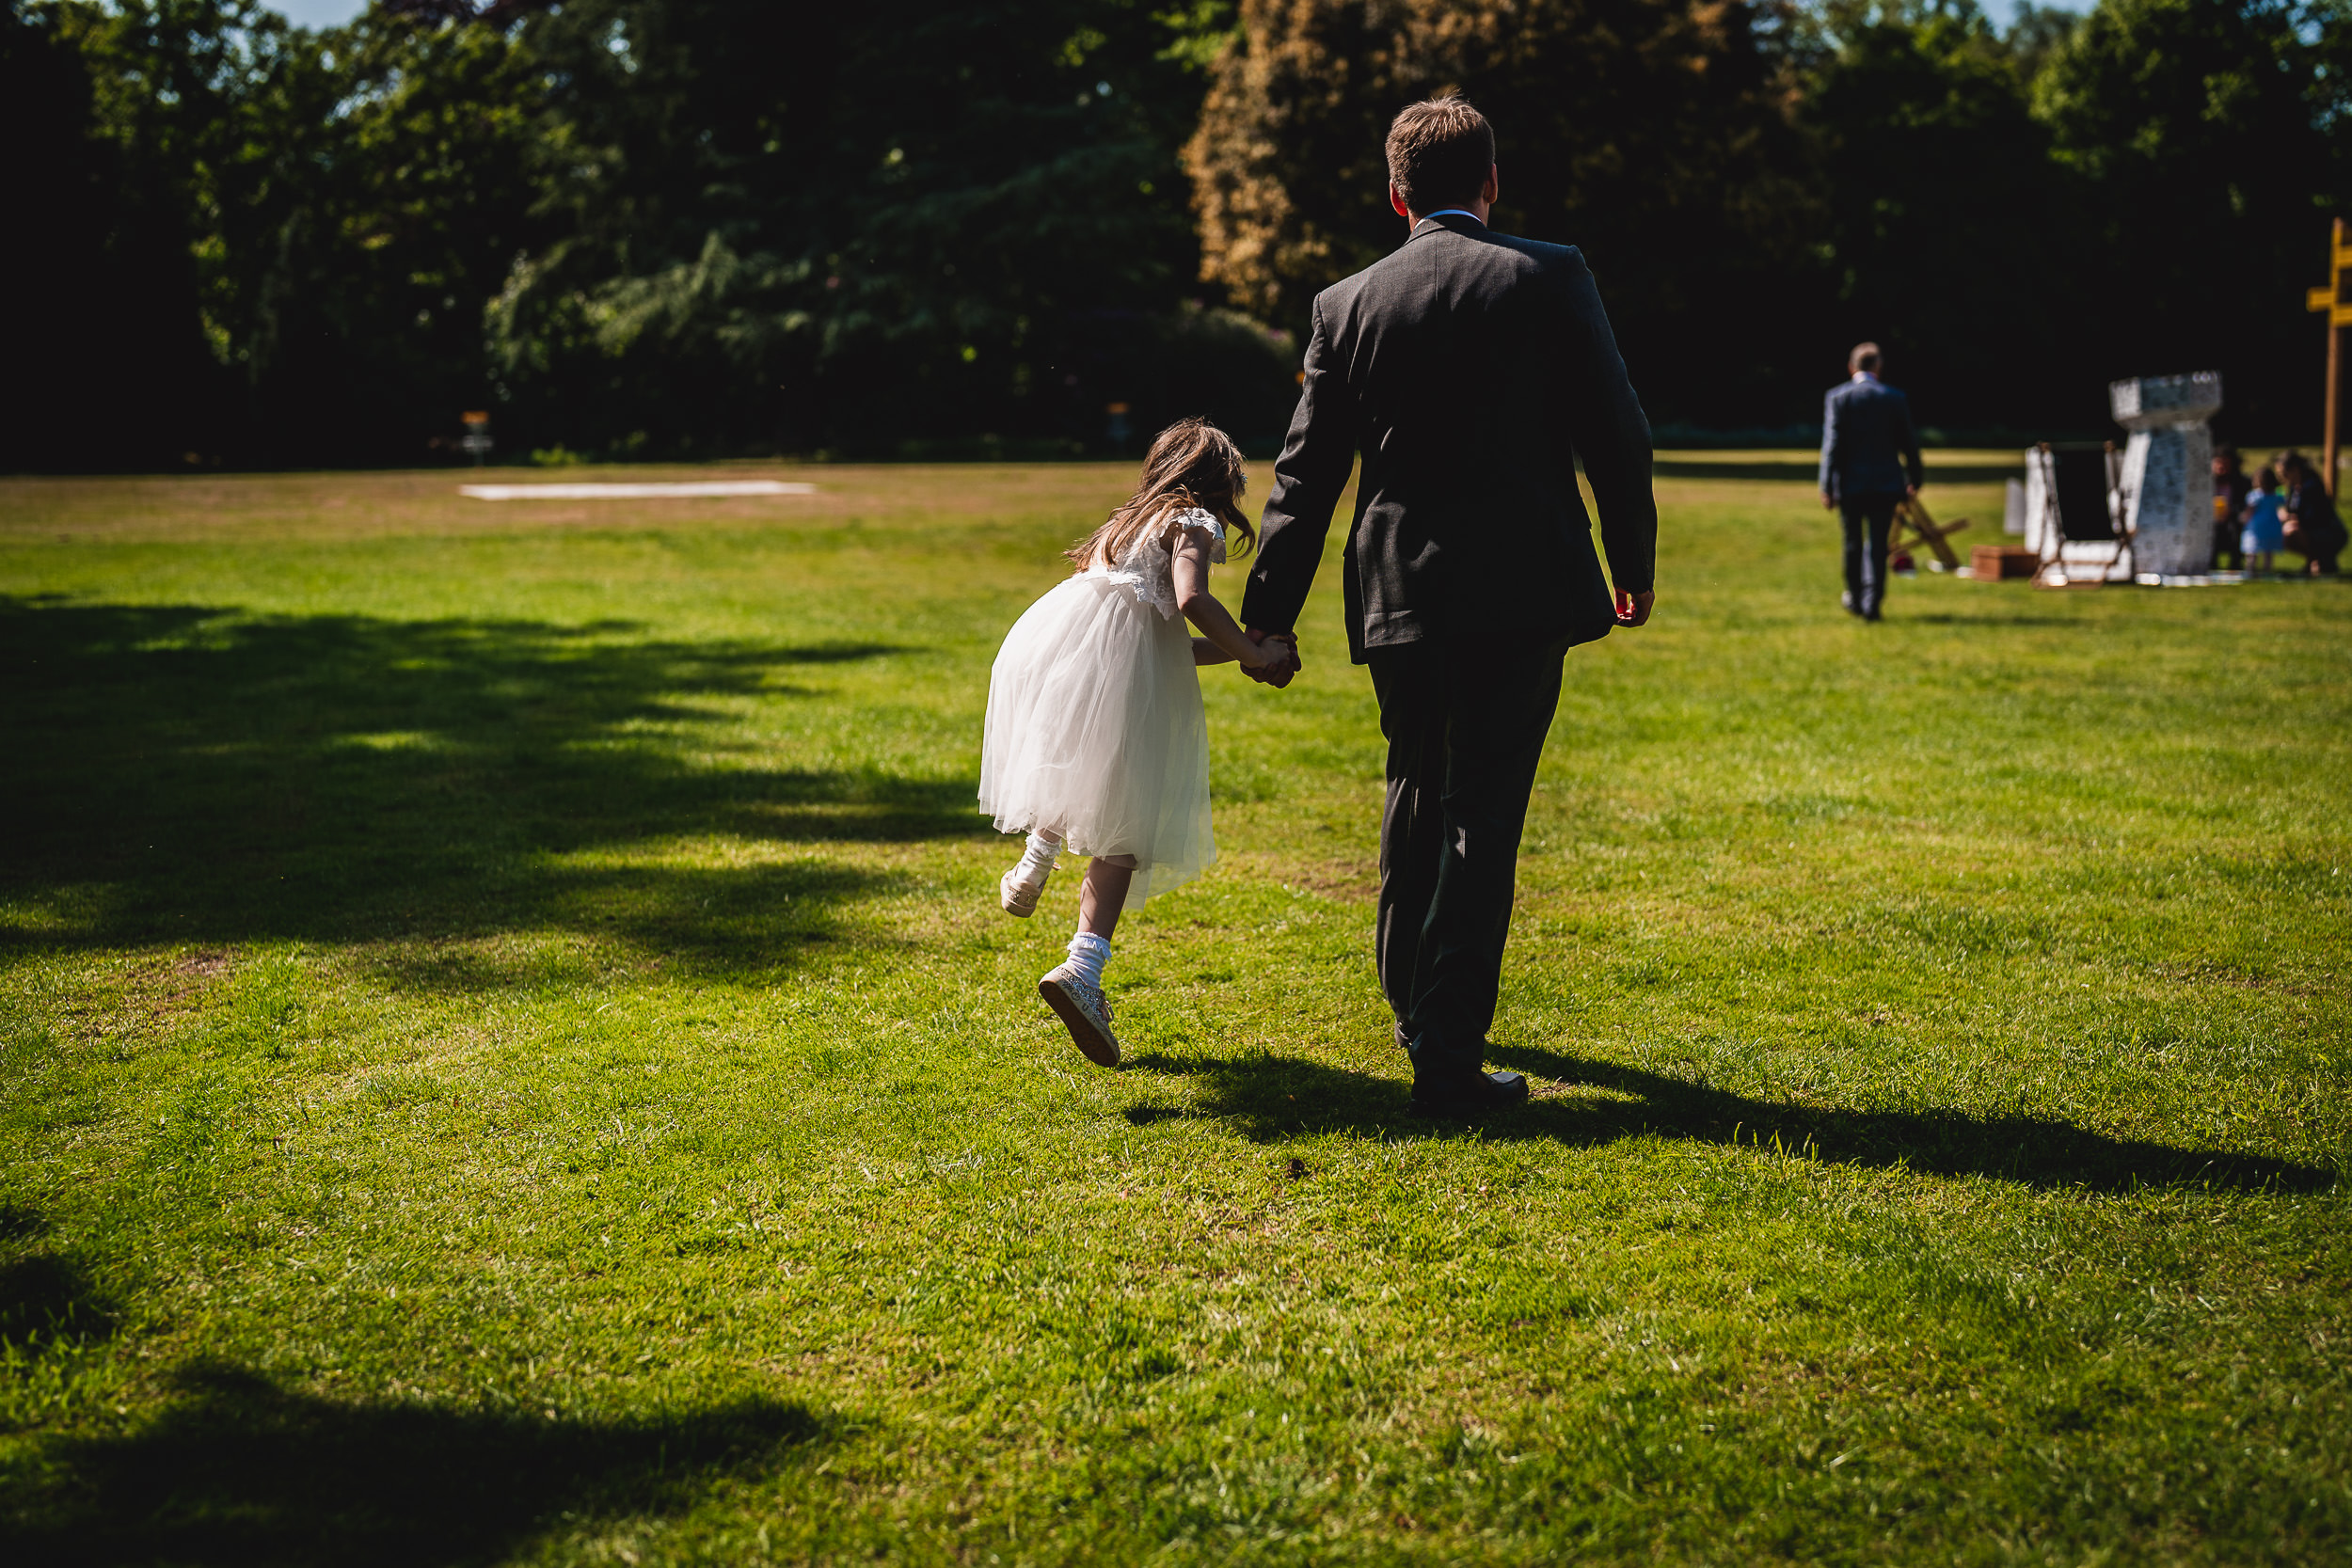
1470 369
1869 466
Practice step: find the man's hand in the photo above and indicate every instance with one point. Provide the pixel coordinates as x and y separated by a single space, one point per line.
1277 668
1910 492
1276 675
1829 502
1633 609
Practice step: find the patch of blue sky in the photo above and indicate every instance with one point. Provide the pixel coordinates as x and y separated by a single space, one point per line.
318 14
2005 11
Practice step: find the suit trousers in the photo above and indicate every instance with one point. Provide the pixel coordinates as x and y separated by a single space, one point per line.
1868 519
1465 735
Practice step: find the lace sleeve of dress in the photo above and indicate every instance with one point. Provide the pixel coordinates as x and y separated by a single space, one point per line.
1206 522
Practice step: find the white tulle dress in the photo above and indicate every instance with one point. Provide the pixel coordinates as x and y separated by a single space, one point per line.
1095 732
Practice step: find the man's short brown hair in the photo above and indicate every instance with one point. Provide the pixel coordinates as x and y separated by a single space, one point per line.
1440 153
1863 357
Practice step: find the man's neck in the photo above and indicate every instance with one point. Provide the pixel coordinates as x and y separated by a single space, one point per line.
1476 209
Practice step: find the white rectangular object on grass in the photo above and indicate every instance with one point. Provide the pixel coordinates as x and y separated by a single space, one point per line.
691 488
2083 558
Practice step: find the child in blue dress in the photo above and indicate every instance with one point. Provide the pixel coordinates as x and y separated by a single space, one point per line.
2266 529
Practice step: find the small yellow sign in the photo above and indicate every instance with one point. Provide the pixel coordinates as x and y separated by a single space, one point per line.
2335 297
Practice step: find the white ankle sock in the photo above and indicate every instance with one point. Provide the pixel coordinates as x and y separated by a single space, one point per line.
1088 953
1037 860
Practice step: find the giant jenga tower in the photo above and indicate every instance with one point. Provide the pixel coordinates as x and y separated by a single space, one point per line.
2168 469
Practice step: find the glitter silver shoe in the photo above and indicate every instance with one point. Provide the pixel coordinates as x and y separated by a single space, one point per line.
1018 898
1083 1011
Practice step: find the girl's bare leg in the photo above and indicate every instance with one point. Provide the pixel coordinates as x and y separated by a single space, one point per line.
1104 894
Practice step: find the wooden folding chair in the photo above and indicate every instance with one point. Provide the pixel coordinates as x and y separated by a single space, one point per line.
1913 526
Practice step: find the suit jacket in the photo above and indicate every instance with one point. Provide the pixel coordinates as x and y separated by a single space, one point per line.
1470 369
1866 445
2317 527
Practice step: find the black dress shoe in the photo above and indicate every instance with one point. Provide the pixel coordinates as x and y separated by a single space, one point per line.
1453 1084
1450 1083
1477 1094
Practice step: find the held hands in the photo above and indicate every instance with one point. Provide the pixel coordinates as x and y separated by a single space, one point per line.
1282 662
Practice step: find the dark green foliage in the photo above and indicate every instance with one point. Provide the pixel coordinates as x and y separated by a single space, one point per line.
2216 136
2021 218
368 218
1653 133
1951 229
703 226
829 227
268 244
110 118
624 225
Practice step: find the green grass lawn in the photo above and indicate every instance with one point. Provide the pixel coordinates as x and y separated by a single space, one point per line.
508 1053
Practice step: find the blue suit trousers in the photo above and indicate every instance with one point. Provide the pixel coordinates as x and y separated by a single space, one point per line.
1869 520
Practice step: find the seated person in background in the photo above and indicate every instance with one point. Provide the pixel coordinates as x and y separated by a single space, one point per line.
2313 531
2265 532
2230 487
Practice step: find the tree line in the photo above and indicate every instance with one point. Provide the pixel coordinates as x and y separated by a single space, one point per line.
699 227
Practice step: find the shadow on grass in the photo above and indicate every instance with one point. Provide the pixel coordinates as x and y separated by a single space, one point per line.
190 774
47 1298
1940 618
239 1471
1808 472
1268 1098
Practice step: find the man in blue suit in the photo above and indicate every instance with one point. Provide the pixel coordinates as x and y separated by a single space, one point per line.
1869 466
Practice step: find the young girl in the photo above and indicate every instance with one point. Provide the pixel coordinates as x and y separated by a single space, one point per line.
1096 742
2266 529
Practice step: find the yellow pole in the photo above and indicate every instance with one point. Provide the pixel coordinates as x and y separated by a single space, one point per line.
2335 347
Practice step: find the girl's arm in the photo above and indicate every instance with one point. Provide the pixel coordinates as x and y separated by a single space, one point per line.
1223 637
1206 652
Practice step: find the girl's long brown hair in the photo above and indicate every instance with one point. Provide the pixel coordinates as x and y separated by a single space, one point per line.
1191 463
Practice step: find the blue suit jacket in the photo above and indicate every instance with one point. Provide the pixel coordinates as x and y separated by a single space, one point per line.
1866 445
